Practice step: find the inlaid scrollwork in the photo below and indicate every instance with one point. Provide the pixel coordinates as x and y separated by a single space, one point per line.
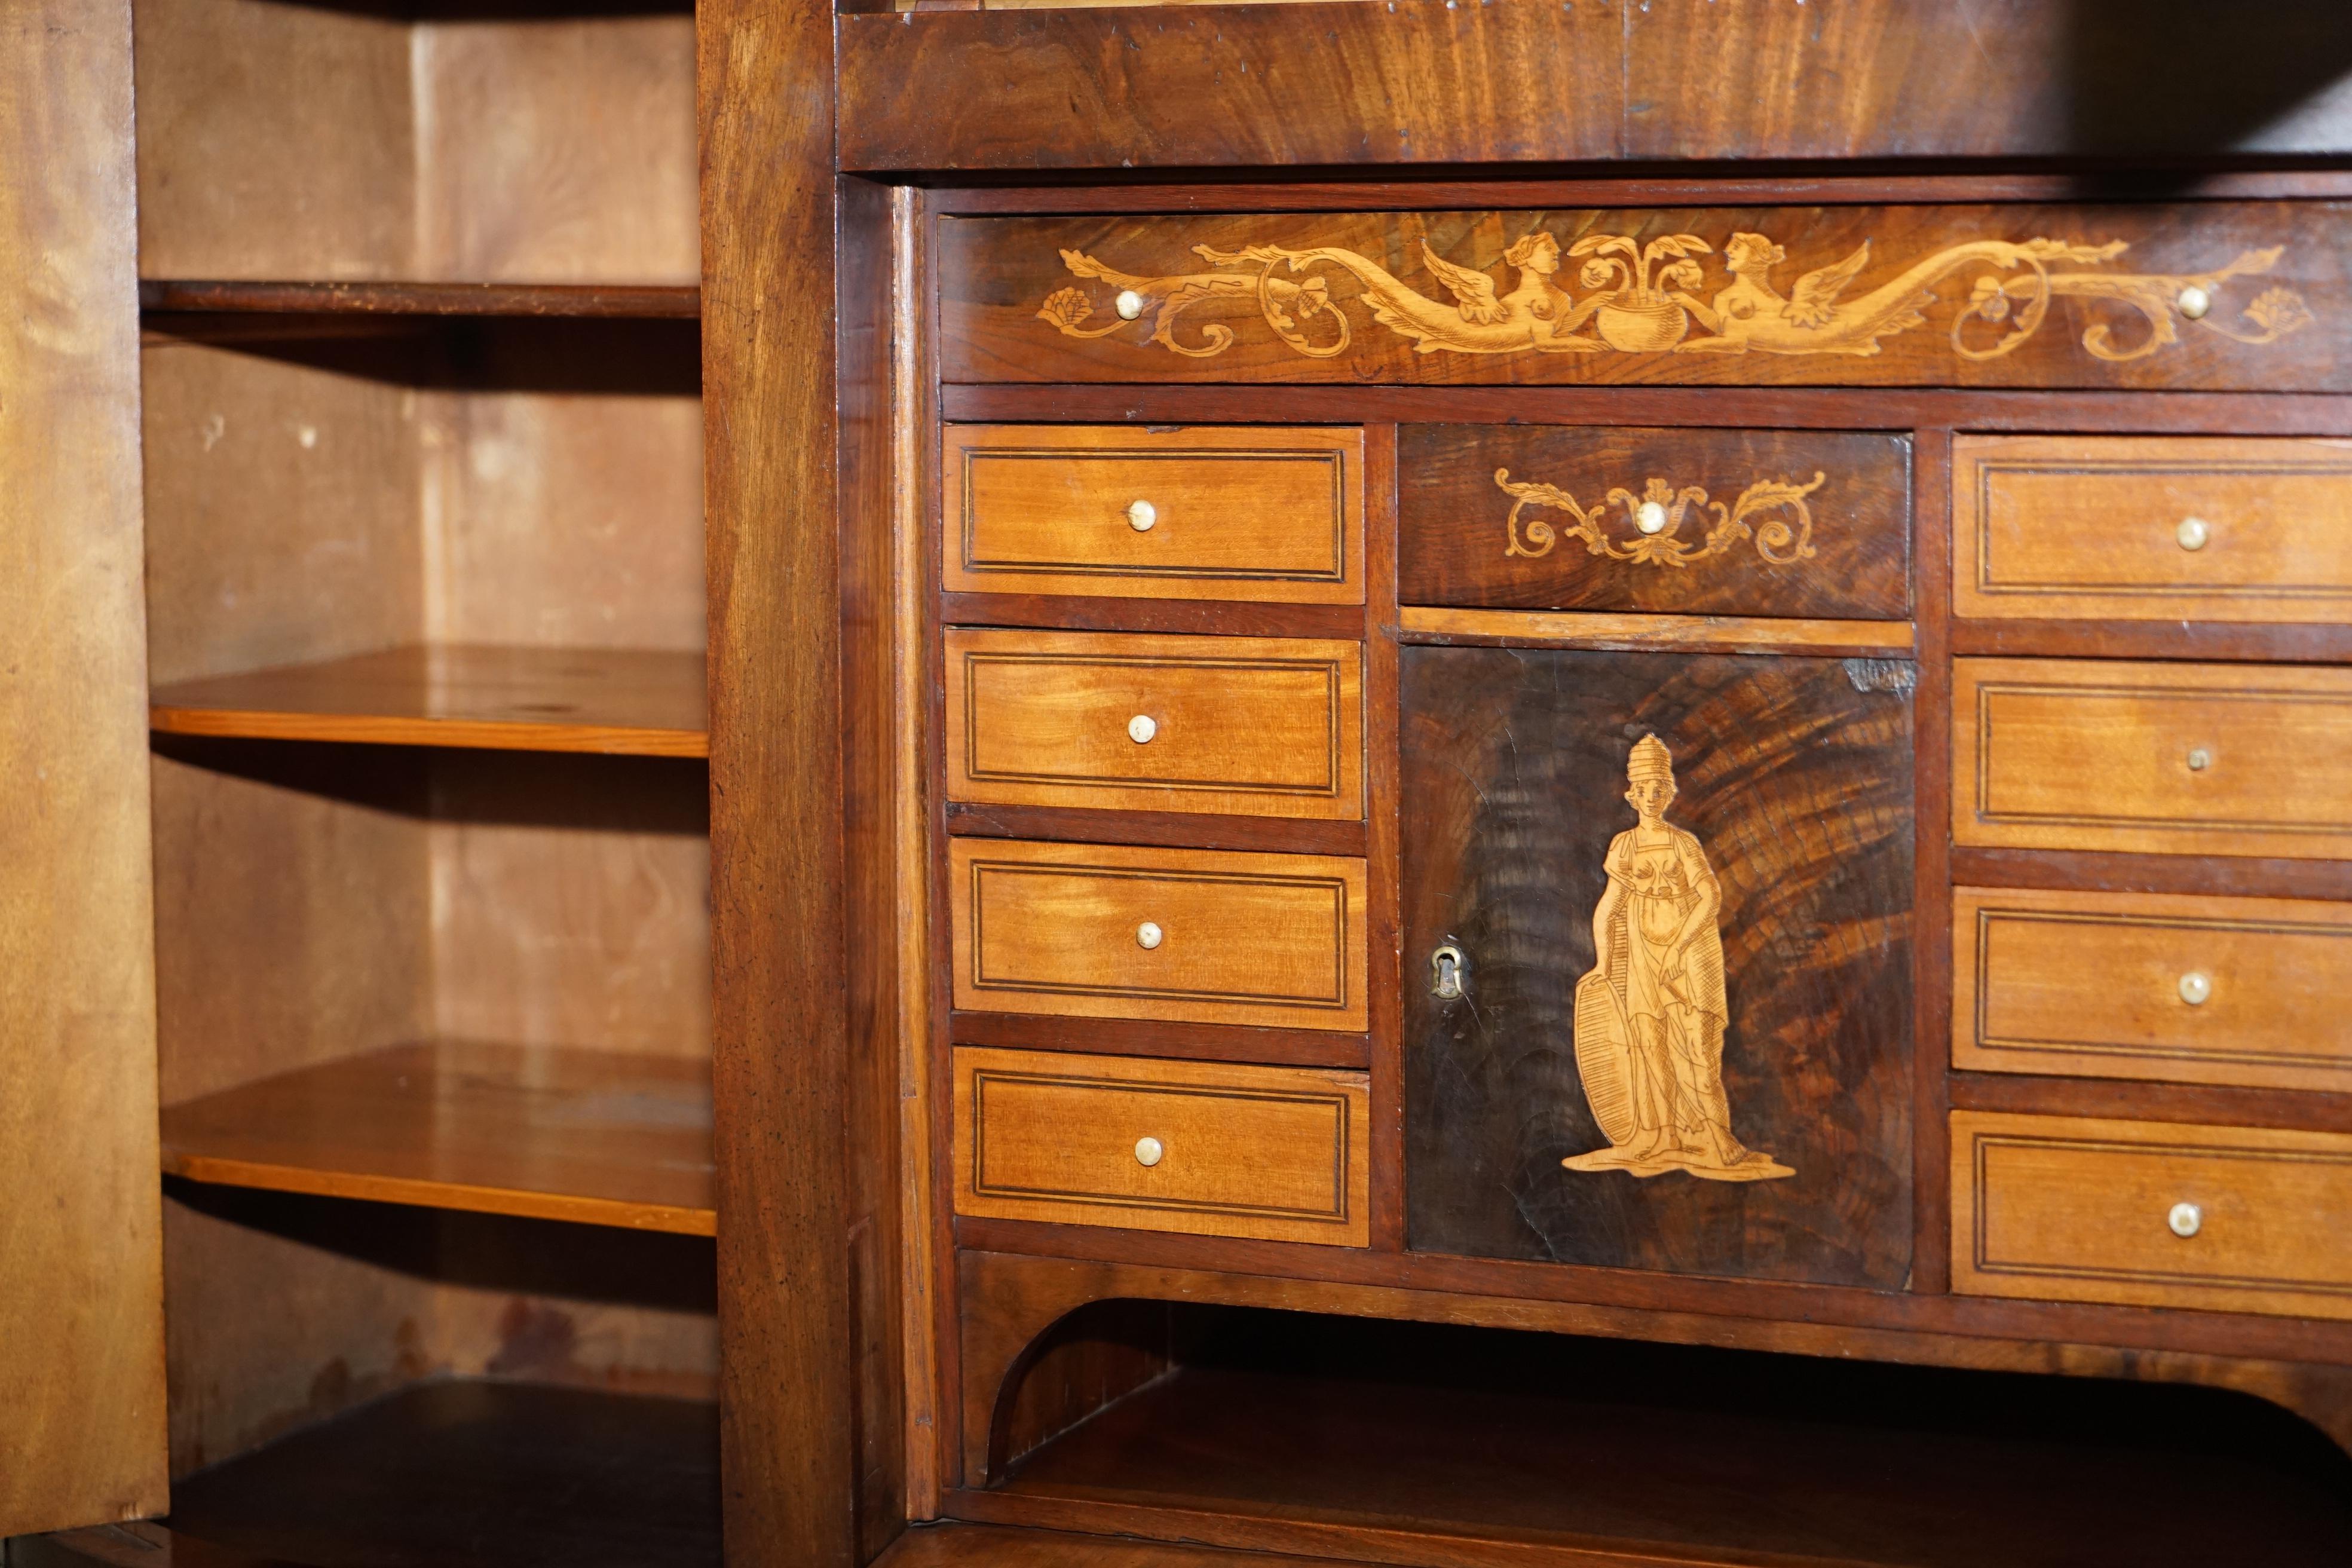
1771 512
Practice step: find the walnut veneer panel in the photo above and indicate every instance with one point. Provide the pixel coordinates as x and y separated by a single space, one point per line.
1267 514
1261 726
2076 1209
1235 937
2134 528
2152 985
2178 759
1278 1153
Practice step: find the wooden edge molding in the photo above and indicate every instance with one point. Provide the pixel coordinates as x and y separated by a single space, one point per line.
1686 634
420 1193
472 734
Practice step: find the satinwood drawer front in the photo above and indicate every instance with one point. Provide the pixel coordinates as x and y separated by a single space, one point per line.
2181 759
2151 986
1203 936
1207 1147
2152 1213
1127 512
1803 523
2142 527
1262 726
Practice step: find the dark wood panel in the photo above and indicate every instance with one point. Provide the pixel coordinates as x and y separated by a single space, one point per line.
1224 618
1001 1546
1747 523
1175 830
2151 873
1426 82
2203 640
1153 1037
2210 1104
1931 786
1566 1106
1920 296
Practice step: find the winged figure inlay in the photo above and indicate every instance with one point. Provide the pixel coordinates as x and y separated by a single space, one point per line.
1647 299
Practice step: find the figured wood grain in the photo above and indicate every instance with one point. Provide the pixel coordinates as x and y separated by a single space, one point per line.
1266 514
1684 634
1822 296
598 1137
82 1333
1243 726
2075 1209
2091 982
2077 755
1276 1153
1245 938
636 701
1742 546
2082 527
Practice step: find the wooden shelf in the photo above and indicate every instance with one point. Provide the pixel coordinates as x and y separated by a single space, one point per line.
596 1137
638 301
459 1474
633 702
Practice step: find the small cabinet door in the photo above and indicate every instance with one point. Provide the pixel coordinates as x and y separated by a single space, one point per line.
1659 1001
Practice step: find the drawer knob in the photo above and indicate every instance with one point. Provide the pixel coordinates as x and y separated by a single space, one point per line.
1150 1151
1141 515
2195 302
2186 1220
1141 727
2193 533
2194 987
2200 759
1148 935
1129 305
1649 517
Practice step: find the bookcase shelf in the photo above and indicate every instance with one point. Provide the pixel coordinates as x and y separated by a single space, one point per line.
306 297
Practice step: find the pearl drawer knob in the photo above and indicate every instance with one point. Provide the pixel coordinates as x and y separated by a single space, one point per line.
2195 302
1649 517
1149 936
2186 1220
1150 1152
2193 533
1129 304
2200 759
1141 727
1141 515
2194 987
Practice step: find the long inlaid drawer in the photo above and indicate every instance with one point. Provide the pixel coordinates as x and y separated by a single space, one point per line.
2177 759
1125 511
1798 524
2155 1213
2148 528
1201 936
1207 1147
2152 985
1261 726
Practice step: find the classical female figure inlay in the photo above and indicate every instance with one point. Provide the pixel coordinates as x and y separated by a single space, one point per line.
1647 299
1650 1015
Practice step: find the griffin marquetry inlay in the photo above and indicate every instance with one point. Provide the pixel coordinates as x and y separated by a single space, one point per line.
1782 526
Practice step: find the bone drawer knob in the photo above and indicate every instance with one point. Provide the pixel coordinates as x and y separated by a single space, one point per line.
1141 515
1129 304
1148 935
1141 727
2193 533
2186 1220
1150 1151
2200 759
2195 302
1649 517
2195 986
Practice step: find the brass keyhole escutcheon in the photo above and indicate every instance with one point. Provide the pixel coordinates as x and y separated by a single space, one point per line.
1445 969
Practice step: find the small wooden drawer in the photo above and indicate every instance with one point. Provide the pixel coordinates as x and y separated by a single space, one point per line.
1200 936
2173 759
1124 511
2156 1214
1813 524
1260 726
2151 986
1207 1147
2147 527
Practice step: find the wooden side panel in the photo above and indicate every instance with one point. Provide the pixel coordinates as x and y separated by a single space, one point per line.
1747 522
81 1366
1909 296
1628 989
2171 758
1209 1149
2134 528
2152 985
2157 1214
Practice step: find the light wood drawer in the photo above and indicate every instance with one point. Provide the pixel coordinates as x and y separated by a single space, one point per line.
2152 985
1260 726
2074 1209
1236 938
2148 528
1267 514
1276 1153
2175 759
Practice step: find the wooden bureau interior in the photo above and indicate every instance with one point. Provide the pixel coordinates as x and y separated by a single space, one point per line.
1776 825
